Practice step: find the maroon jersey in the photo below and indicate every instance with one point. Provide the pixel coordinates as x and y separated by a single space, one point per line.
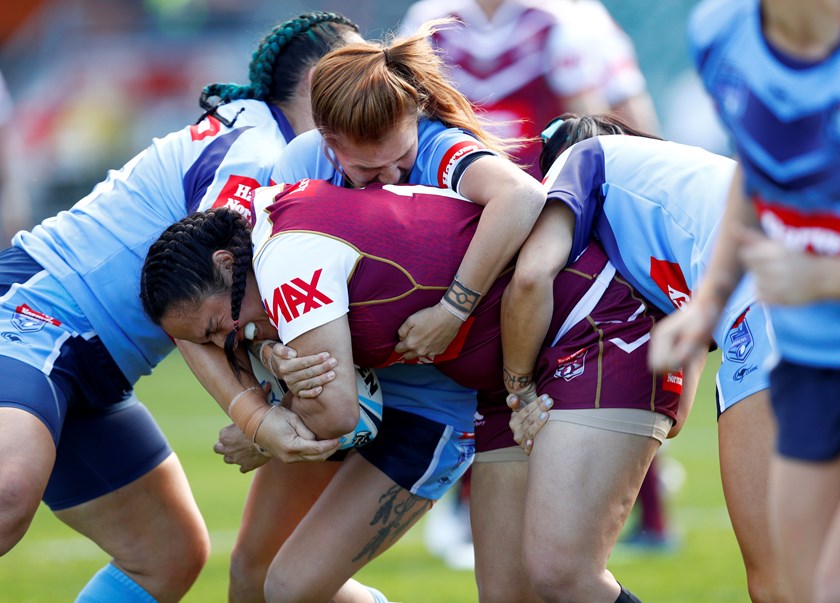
379 255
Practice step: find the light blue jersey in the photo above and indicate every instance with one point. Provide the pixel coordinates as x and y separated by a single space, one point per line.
784 118
441 152
442 155
656 206
96 249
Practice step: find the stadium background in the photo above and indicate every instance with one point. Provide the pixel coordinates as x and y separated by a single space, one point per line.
94 80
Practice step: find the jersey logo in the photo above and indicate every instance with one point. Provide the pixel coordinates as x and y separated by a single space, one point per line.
27 320
742 372
238 195
571 366
209 126
740 340
295 298
452 157
672 381
813 232
669 277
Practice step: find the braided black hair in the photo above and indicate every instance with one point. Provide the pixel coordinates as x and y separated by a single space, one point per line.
179 267
574 128
281 59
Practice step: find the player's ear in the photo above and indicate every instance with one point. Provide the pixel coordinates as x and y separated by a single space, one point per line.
223 261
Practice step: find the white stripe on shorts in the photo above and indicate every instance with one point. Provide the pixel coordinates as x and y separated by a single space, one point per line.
432 468
588 302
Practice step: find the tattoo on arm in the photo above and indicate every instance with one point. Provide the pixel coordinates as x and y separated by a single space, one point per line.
461 297
515 381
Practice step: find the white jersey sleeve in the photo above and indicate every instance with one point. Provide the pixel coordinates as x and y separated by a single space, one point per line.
574 65
302 276
621 77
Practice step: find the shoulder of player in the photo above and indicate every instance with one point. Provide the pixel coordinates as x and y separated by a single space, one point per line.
710 20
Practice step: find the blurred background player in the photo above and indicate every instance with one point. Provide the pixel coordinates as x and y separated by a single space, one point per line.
521 63
12 215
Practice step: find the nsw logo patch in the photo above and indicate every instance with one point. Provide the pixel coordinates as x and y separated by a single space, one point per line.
739 340
27 320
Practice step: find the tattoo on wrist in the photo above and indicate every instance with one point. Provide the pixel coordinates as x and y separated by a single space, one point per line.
515 381
460 297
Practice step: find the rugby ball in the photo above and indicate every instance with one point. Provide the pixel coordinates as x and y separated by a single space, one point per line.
370 401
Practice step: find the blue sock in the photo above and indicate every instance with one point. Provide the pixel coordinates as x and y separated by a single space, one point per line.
111 585
378 597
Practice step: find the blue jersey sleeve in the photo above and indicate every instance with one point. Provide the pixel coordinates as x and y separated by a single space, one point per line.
576 179
307 157
442 154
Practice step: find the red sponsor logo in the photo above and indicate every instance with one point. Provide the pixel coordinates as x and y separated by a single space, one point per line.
812 232
208 126
670 279
673 382
238 194
28 312
452 157
452 351
295 298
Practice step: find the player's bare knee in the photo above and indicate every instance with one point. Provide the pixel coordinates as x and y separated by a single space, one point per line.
532 278
179 561
247 576
557 575
19 499
765 588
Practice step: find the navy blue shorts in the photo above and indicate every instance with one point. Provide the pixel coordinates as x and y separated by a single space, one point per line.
423 456
53 366
806 401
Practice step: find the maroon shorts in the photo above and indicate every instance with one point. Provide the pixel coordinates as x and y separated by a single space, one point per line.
601 362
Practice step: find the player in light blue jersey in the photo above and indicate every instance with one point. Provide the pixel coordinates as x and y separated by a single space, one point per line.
773 70
656 207
76 340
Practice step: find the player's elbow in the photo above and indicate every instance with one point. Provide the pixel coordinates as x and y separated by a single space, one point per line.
338 418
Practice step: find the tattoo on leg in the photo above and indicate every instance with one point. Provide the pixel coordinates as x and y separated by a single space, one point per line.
396 516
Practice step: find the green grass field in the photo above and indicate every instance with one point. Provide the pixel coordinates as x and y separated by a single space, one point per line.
52 562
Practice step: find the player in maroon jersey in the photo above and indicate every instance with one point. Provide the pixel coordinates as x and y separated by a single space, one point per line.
339 270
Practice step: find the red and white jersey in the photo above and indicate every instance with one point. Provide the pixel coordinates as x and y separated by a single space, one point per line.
621 76
520 66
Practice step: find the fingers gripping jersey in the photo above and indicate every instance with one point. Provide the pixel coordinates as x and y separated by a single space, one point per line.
379 255
656 206
784 117
96 248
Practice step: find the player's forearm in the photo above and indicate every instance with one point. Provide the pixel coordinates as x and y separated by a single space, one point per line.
512 203
725 268
528 302
526 313
210 366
